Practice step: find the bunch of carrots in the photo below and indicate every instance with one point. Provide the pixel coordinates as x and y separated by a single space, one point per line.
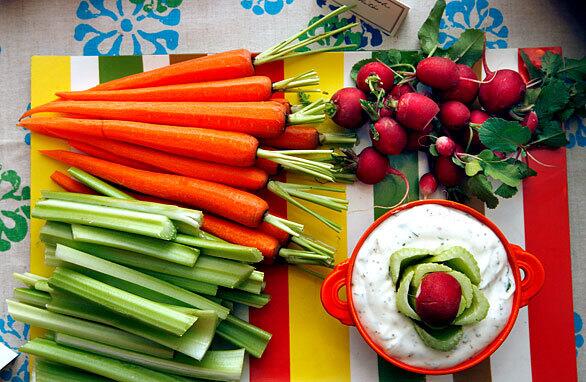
206 133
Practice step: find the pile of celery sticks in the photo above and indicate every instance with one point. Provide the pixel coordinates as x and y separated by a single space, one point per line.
138 292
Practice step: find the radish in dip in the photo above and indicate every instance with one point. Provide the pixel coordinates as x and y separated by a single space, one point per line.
376 290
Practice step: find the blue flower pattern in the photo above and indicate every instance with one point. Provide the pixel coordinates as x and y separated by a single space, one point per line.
14 334
131 29
464 14
576 128
269 7
27 134
578 325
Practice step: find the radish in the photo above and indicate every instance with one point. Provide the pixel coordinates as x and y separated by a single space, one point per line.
399 90
437 299
438 72
375 72
345 108
417 140
466 89
415 111
501 91
454 115
447 172
445 146
388 136
531 121
427 185
477 117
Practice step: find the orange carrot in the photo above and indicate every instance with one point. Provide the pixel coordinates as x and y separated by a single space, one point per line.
296 138
270 167
283 103
97 152
248 178
281 236
220 66
235 149
228 202
260 119
247 89
70 184
238 234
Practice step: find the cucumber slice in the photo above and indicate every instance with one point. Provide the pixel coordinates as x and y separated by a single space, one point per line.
403 257
422 269
460 260
444 339
476 312
465 286
403 297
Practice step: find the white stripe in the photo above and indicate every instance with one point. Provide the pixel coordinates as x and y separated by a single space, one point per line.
512 361
85 72
363 360
241 311
154 62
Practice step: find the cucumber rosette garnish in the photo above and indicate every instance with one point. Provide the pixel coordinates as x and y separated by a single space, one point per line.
439 292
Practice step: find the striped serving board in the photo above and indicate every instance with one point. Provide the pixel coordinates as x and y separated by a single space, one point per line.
308 345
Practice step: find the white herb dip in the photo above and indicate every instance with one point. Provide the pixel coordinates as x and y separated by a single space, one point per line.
429 226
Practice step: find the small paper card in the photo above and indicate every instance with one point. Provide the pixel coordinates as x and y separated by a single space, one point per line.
386 14
6 356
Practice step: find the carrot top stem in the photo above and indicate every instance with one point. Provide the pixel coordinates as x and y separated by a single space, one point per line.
309 78
300 192
292 228
271 54
312 113
314 168
97 184
337 139
295 256
314 245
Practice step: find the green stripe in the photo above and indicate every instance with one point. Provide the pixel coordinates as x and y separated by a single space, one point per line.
388 193
114 67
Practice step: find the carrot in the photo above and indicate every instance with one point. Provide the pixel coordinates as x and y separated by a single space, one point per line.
228 202
238 234
261 119
281 236
299 137
248 178
284 104
114 157
220 66
70 184
247 89
235 149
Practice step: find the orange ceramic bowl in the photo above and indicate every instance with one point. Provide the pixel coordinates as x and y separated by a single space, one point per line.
526 288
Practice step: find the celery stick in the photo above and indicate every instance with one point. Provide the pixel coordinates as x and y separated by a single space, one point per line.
227 304
161 249
246 298
121 272
32 297
194 343
254 340
206 269
189 217
45 371
141 223
97 184
224 250
106 367
215 365
189 284
251 286
84 329
43 286
127 304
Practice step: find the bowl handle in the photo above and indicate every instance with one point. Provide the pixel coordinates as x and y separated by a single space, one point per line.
534 273
329 294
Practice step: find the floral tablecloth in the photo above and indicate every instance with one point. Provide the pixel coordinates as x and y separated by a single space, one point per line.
114 27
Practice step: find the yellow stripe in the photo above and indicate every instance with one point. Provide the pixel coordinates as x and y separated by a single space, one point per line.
319 343
48 75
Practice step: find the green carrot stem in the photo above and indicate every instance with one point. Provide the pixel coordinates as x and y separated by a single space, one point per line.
97 184
334 138
294 256
314 245
335 204
309 78
323 50
290 227
304 119
305 152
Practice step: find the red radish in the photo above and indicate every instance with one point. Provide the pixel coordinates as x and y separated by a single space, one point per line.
531 121
388 136
385 112
465 90
415 111
417 140
345 108
372 167
399 90
477 117
447 172
438 72
377 70
501 91
427 185
454 115
445 146
438 299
